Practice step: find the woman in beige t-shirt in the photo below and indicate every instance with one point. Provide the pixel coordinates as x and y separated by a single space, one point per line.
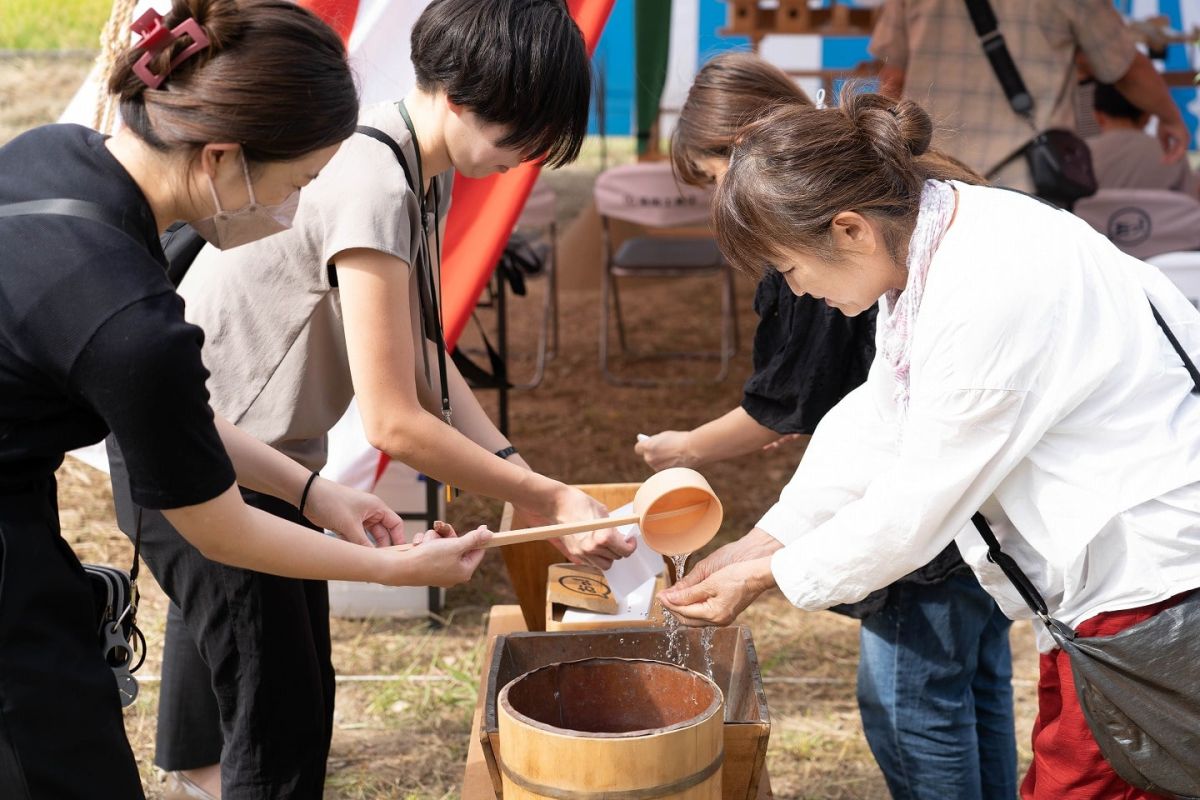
299 323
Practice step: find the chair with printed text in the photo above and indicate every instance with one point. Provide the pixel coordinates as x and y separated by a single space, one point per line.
1144 222
648 196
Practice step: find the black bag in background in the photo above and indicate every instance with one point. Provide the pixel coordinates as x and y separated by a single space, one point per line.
519 259
1060 163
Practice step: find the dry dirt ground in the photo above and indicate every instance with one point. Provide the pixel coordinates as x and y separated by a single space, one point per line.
407 738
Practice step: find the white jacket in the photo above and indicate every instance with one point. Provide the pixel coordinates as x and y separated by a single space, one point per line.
1043 393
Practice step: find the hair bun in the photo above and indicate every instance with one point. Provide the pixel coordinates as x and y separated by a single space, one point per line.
219 19
916 128
273 78
897 132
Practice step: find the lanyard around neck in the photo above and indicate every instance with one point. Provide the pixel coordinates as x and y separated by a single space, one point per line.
429 291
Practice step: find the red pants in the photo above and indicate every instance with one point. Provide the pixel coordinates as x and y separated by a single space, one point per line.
1067 763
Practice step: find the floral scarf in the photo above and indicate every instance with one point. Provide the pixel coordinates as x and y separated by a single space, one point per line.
901 307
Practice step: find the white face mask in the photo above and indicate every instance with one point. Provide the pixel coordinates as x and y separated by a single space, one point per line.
250 223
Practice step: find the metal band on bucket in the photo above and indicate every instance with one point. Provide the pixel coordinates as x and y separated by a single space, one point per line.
648 793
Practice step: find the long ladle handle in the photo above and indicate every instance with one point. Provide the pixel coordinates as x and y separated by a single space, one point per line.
567 528
556 530
549 531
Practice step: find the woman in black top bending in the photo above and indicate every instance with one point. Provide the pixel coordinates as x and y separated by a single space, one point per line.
230 107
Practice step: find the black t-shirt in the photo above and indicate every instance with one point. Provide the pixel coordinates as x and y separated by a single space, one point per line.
92 334
807 357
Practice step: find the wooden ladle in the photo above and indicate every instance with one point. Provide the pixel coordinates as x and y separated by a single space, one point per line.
676 509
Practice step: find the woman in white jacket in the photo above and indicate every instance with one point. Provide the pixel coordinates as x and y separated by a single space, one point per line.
1019 372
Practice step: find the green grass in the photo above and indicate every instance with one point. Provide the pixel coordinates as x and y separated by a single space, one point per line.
52 24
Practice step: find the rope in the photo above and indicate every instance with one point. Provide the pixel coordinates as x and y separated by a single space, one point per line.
113 41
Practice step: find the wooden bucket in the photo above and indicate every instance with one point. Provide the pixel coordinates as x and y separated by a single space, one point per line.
611 729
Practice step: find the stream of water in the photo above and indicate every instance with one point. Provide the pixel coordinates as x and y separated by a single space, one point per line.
677 641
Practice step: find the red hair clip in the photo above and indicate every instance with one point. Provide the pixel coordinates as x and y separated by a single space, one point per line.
156 37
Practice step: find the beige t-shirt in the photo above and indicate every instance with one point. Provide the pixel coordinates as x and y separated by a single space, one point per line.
1132 159
274 341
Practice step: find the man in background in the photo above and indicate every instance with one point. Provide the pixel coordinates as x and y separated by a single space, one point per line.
932 55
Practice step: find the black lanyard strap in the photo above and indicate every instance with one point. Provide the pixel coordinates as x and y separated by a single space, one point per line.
1183 355
427 322
427 281
390 143
433 280
1024 586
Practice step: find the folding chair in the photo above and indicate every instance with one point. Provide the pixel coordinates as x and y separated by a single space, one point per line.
648 195
1144 222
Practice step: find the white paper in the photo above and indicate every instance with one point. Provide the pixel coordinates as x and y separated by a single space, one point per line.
631 580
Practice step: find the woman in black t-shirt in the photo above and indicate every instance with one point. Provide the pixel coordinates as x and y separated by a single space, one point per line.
230 107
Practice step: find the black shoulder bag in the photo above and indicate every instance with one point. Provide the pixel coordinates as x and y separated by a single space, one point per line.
1139 689
1060 163
115 590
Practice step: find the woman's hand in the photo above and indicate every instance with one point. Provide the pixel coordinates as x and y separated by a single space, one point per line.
596 548
755 544
355 516
667 449
721 595
440 557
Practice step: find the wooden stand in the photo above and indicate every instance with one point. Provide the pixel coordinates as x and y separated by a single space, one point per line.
477 782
